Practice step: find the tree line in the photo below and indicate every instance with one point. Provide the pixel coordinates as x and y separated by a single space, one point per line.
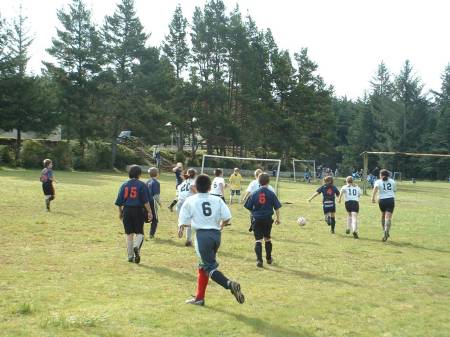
218 76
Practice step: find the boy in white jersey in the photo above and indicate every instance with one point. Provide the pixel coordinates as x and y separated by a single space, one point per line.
352 192
207 215
185 190
254 185
386 187
218 184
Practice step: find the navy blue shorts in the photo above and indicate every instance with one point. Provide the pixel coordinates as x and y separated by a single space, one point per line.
207 244
133 220
262 228
387 205
47 188
352 206
329 207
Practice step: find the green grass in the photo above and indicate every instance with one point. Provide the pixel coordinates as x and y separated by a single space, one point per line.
65 273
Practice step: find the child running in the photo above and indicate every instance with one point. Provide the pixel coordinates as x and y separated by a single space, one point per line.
178 170
47 180
207 215
218 184
235 185
185 190
131 200
261 204
386 187
154 191
329 192
352 192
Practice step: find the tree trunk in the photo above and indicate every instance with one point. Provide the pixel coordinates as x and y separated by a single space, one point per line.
18 146
113 152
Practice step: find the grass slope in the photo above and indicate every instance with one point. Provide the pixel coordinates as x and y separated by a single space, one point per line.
65 273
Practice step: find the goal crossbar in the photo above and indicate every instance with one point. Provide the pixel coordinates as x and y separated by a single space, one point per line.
242 158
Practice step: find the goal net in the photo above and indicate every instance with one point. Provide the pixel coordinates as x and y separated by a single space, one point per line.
247 167
304 170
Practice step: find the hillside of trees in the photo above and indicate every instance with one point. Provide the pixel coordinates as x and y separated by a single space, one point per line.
217 75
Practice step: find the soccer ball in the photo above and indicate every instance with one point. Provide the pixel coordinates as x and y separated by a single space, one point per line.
301 221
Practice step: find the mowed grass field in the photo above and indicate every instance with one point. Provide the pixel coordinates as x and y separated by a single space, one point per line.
65 273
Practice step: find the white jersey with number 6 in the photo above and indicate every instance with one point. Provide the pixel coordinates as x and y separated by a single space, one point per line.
386 189
215 186
203 211
351 193
185 189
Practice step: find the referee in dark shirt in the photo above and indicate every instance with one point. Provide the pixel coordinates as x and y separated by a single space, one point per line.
262 204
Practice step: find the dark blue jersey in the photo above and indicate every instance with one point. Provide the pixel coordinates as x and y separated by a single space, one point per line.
262 202
133 193
153 188
329 192
46 175
178 176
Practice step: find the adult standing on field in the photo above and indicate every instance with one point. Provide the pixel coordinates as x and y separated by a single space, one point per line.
386 188
235 185
178 169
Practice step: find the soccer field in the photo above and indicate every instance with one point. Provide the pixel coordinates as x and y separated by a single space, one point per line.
65 273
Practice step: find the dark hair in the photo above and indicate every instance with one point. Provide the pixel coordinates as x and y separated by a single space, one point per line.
328 180
217 172
47 162
384 174
184 174
134 172
203 183
191 173
263 179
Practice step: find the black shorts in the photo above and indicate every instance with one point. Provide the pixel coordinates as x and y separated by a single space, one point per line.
329 207
262 228
352 206
48 189
133 220
387 205
220 196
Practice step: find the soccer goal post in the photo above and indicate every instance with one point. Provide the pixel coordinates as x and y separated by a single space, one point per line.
305 164
277 163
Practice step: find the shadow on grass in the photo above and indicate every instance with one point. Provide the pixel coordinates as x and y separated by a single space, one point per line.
170 242
264 328
171 273
251 237
311 276
406 245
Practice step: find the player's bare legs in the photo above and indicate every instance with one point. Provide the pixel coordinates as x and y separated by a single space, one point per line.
354 216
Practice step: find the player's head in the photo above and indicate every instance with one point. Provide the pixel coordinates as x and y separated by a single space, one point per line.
384 174
47 163
218 172
349 180
179 165
134 172
263 179
328 180
191 173
153 171
236 170
258 172
184 175
203 183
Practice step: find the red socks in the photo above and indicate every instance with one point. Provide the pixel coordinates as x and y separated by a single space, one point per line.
202 283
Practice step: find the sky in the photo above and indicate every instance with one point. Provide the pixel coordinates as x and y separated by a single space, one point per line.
346 38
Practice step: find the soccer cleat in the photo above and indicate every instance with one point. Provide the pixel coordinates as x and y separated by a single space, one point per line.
347 231
188 243
131 259
259 263
152 236
170 208
137 257
332 230
355 235
269 260
235 289
385 237
194 301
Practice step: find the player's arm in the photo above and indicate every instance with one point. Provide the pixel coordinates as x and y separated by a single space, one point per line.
120 212
225 215
119 202
374 193
174 169
340 195
184 219
277 217
222 188
313 196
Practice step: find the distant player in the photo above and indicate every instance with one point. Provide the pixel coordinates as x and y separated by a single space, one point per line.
352 192
386 188
207 215
185 190
131 200
329 192
47 180
235 185
218 184
261 204
178 169
154 191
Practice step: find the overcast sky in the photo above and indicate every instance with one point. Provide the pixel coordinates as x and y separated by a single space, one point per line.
347 38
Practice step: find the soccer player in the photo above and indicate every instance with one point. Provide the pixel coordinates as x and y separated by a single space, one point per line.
235 185
207 215
261 205
131 200
386 188
254 185
218 184
154 191
185 190
178 169
329 191
47 180
352 192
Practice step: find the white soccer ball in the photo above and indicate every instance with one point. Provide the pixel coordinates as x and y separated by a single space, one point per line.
301 221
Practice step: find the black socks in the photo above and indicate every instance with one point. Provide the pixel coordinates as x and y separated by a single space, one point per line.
220 278
268 246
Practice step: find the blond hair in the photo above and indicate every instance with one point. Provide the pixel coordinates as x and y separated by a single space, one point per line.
349 180
258 172
153 171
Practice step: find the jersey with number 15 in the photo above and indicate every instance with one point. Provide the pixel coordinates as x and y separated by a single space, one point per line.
203 211
386 189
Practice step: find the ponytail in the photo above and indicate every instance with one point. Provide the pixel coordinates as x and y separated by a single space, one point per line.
384 174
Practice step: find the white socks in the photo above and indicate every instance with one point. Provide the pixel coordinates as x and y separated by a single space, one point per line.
130 247
354 221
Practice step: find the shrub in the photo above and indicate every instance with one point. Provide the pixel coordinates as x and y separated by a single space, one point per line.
125 156
33 153
180 157
6 155
62 156
98 155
